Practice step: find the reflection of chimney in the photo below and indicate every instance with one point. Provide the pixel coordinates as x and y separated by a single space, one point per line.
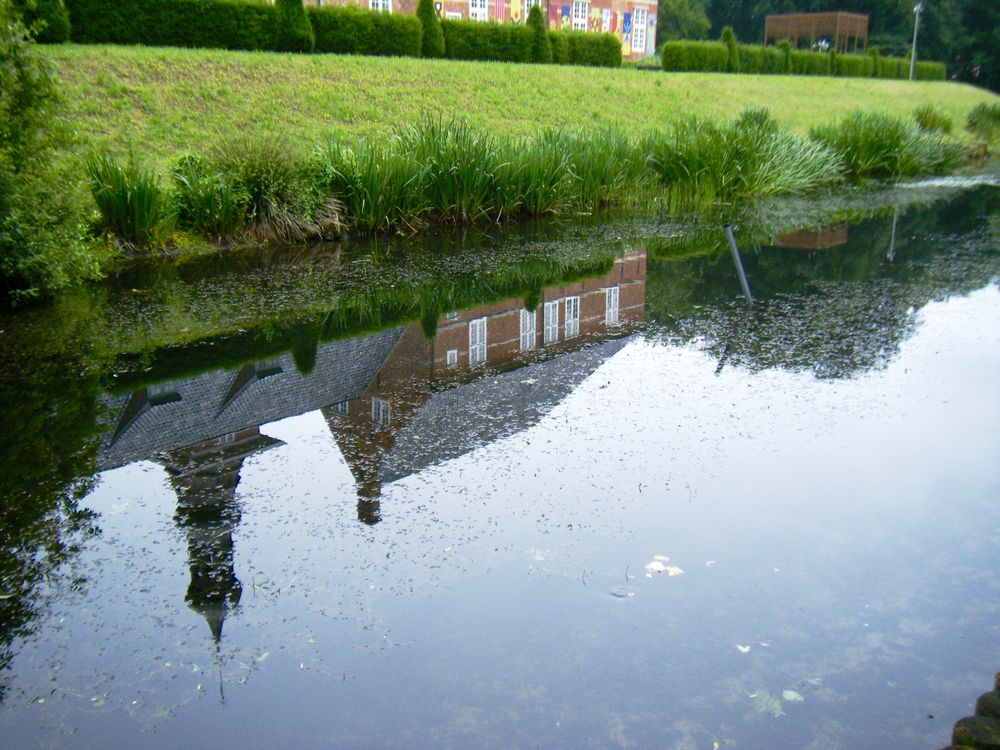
205 477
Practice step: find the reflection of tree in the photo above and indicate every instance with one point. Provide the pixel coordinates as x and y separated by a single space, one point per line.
837 311
47 449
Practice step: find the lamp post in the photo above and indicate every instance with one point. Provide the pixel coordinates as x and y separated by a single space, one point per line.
916 25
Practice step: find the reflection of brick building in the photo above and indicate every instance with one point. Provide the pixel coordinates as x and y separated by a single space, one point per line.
632 21
814 239
404 421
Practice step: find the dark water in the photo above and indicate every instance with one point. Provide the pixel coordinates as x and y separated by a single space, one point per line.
364 499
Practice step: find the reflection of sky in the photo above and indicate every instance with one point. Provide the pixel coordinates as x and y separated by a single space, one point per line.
848 525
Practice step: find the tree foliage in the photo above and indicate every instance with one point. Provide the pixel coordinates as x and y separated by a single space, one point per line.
681 19
43 246
432 41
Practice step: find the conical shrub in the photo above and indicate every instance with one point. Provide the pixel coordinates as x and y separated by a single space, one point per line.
294 32
541 45
432 44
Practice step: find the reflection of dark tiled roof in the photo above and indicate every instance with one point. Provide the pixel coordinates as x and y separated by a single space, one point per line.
458 420
209 405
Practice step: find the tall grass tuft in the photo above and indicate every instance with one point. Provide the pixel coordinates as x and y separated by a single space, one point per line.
206 201
699 161
881 146
605 165
281 202
533 179
930 119
133 208
983 121
462 165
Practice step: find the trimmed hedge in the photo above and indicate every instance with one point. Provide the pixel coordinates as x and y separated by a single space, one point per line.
475 40
585 48
226 24
713 57
351 30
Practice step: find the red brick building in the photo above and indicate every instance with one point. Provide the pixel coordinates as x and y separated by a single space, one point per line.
632 21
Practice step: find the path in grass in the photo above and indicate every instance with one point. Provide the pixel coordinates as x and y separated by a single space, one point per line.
162 102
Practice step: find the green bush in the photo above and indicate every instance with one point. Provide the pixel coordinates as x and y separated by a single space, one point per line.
560 48
881 146
855 66
474 40
206 201
47 20
809 63
597 50
432 40
930 71
757 59
930 119
785 47
541 45
728 38
707 57
983 121
226 24
292 31
395 35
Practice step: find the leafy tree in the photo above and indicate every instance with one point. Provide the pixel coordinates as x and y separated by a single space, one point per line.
43 245
294 32
541 45
681 19
47 20
432 44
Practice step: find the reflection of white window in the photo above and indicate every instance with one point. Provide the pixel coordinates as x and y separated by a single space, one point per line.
340 408
572 317
527 330
477 342
452 15
611 306
478 10
381 411
550 322
382 5
451 358
605 20
580 10
639 29
452 315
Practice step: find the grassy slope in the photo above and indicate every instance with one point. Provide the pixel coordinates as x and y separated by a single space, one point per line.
162 101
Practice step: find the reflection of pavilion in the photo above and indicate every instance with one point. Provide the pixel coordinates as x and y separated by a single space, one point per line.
814 239
204 477
401 424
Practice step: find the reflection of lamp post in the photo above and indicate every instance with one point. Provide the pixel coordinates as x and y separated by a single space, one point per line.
916 25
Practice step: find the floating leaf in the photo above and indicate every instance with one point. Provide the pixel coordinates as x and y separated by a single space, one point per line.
673 570
791 696
765 703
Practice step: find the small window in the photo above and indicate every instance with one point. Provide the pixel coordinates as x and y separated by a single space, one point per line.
384 6
550 322
452 315
580 10
527 330
340 407
572 317
478 10
451 358
611 306
527 8
381 411
477 342
605 20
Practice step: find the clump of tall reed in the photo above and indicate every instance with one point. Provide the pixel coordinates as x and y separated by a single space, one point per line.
930 119
133 208
876 145
983 121
207 202
699 161
281 202
605 166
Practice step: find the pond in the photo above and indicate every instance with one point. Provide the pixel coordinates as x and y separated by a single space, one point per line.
558 486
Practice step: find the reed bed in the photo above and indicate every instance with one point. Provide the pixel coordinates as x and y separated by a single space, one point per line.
447 171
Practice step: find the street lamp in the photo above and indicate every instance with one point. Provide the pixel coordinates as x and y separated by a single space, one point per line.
916 25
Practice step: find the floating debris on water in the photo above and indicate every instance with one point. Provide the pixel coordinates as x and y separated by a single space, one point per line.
622 592
791 696
766 703
742 649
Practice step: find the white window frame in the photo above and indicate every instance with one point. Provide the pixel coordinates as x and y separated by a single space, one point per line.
341 407
606 20
528 324
550 322
381 411
527 7
639 23
451 358
385 6
611 306
571 318
452 15
477 341
581 12
479 10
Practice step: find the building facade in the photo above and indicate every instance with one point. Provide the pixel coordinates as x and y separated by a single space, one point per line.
632 21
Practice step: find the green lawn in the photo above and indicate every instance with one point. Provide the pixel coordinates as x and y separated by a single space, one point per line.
162 101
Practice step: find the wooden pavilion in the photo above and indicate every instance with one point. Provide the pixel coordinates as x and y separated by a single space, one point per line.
843 30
